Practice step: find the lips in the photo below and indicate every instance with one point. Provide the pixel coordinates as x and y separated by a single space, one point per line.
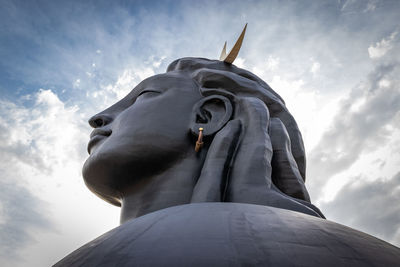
96 136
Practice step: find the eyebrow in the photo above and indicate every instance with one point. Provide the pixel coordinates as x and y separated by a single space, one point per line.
134 93
143 85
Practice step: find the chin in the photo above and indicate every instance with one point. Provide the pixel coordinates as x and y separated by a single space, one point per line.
98 179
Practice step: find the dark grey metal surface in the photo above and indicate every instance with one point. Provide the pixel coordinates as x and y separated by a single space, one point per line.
229 234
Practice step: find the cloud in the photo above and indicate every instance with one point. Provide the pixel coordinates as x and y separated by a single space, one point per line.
36 144
272 62
240 62
126 81
77 83
21 213
372 207
364 6
359 125
315 67
155 61
371 6
382 47
365 121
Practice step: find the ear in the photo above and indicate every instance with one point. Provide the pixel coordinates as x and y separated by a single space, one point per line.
210 113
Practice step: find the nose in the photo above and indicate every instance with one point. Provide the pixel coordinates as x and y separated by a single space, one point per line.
100 120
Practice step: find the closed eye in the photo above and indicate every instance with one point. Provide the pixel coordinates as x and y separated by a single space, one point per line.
142 94
148 91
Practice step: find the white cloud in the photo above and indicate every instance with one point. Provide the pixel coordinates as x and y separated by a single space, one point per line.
384 83
272 62
268 67
382 47
313 111
143 73
157 63
239 62
365 123
126 81
369 206
315 67
348 3
42 150
77 83
357 6
371 6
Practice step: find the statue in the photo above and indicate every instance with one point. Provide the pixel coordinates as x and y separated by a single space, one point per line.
142 151
208 166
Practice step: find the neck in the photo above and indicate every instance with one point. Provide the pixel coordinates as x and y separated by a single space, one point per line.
172 187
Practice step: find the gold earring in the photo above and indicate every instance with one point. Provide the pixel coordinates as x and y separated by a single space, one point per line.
199 143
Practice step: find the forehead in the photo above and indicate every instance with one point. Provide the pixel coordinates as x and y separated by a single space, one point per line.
163 82
175 81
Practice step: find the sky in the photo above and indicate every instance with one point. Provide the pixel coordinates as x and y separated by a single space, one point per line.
335 63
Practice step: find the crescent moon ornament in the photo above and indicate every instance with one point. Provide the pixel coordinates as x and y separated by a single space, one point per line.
235 49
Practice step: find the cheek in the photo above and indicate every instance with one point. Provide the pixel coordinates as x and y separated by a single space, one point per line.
153 116
160 126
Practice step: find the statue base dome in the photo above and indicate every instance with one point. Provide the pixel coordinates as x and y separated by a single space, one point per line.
232 234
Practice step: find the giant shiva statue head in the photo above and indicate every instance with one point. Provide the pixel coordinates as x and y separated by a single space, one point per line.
142 154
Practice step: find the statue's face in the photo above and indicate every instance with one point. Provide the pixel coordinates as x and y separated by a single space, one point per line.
140 135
